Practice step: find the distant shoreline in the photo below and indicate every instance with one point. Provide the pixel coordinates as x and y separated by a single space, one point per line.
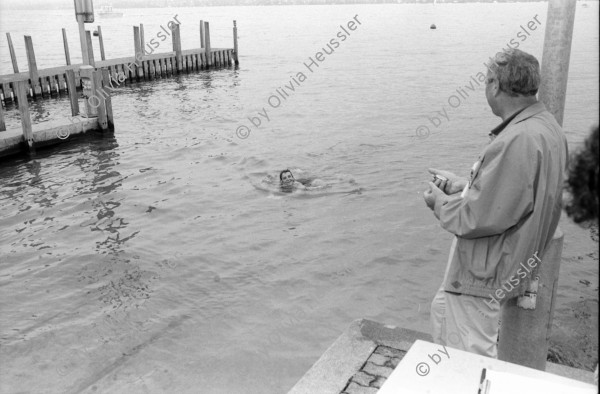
128 4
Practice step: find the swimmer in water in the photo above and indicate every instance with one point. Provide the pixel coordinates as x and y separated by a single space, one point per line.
287 180
289 183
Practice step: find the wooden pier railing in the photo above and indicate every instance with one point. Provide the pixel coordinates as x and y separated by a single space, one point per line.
96 80
51 82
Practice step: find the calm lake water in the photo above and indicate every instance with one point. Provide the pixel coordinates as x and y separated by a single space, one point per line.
162 258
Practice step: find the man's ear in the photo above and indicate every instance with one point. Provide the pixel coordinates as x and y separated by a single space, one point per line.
496 88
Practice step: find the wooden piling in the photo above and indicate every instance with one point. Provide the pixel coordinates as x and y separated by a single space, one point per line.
73 96
21 90
142 40
33 71
102 56
13 57
201 33
107 100
100 95
207 44
146 69
90 48
177 47
87 84
66 45
151 70
2 123
235 44
136 42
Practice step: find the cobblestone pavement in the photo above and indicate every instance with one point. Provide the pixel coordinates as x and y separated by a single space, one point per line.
375 371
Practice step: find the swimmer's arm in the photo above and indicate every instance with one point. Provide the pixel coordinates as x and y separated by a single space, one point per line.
315 187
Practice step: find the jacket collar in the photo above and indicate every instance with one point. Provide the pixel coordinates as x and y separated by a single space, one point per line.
517 117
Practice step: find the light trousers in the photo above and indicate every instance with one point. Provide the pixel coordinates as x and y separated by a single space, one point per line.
464 322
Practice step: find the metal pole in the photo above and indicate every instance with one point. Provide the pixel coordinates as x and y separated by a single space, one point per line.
83 39
525 332
557 52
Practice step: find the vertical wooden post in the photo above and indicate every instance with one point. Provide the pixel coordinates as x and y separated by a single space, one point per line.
2 124
33 72
90 47
21 88
13 57
66 45
151 70
73 97
142 40
83 40
100 96
102 56
557 52
177 47
91 98
207 44
136 42
235 44
108 100
524 332
201 33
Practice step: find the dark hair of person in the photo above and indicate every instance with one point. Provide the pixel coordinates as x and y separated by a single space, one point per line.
517 72
583 181
283 172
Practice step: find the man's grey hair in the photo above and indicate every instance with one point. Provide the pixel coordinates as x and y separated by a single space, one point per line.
517 72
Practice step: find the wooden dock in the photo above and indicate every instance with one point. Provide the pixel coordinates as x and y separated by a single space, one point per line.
96 80
98 115
51 82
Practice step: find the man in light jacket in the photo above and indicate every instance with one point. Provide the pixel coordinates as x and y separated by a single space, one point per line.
505 215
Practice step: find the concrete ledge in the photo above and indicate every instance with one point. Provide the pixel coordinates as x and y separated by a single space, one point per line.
349 353
570 372
12 141
330 374
362 358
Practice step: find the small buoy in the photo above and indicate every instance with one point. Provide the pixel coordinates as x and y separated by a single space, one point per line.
95 33
433 26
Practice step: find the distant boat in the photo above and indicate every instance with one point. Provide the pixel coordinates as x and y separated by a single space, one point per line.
106 11
433 26
96 34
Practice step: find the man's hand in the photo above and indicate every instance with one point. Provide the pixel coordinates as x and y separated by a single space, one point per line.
454 184
432 195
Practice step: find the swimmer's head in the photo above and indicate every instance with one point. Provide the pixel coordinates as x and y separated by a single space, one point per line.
286 178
